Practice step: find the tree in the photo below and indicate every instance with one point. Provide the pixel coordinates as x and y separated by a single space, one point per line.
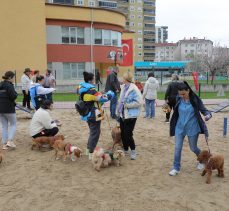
216 61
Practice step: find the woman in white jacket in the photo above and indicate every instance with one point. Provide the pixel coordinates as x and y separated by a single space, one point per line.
26 82
150 95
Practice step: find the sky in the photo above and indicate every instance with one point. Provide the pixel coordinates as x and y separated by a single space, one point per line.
195 18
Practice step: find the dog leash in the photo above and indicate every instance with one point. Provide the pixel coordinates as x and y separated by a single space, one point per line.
206 139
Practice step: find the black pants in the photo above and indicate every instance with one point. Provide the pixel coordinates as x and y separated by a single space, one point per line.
127 128
93 139
47 132
26 99
171 103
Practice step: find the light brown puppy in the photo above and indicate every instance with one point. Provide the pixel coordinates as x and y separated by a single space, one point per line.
66 149
118 155
39 141
116 136
211 163
97 158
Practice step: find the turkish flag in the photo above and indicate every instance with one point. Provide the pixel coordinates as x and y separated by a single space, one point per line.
127 48
195 79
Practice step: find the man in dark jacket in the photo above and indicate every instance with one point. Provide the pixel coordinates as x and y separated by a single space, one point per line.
113 84
171 94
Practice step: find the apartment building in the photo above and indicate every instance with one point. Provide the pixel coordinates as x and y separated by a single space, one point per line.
187 48
140 19
161 34
165 51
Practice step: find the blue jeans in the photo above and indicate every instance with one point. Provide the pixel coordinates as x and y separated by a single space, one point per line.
150 108
9 124
113 104
179 139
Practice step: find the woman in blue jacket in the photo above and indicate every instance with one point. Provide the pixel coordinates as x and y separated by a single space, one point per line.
186 120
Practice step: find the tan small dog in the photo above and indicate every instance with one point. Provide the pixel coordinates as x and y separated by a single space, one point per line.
39 141
66 149
100 158
211 163
118 155
116 136
166 108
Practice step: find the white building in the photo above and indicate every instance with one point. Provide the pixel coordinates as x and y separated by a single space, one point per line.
187 48
161 34
165 51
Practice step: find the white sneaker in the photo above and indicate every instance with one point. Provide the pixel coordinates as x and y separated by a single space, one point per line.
90 156
126 152
200 166
133 155
87 152
11 144
174 172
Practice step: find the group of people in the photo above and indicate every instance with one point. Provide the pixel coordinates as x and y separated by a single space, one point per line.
31 79
186 119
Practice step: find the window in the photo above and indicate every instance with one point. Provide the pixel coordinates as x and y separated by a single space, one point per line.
140 24
150 11
149 32
80 2
63 2
139 31
108 4
73 70
149 40
139 9
139 46
72 35
149 3
80 35
149 18
148 47
114 38
139 53
139 16
132 1
91 3
132 8
149 54
132 16
139 39
106 37
149 25
98 36
131 23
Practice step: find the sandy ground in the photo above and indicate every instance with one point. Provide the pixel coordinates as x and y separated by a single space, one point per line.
33 180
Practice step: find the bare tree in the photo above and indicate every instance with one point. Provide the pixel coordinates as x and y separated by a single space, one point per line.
217 61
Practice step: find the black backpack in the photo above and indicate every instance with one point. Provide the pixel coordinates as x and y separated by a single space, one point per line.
81 107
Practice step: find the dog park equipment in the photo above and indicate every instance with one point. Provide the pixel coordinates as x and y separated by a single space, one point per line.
224 126
22 108
220 106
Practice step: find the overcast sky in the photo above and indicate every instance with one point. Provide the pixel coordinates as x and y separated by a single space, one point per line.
195 18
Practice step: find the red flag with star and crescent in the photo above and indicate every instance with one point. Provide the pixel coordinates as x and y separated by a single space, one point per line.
195 79
127 48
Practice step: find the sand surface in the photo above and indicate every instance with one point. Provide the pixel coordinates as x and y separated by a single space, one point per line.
34 180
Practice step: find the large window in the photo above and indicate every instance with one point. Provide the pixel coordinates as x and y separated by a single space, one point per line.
98 36
107 37
149 18
108 4
73 70
72 35
63 2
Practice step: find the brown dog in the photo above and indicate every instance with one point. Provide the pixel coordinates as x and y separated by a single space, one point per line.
46 140
67 149
116 136
166 108
211 163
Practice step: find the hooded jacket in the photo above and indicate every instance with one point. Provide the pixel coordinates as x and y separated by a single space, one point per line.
150 89
8 96
89 95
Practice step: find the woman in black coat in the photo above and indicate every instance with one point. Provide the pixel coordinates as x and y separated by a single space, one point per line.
187 120
8 96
